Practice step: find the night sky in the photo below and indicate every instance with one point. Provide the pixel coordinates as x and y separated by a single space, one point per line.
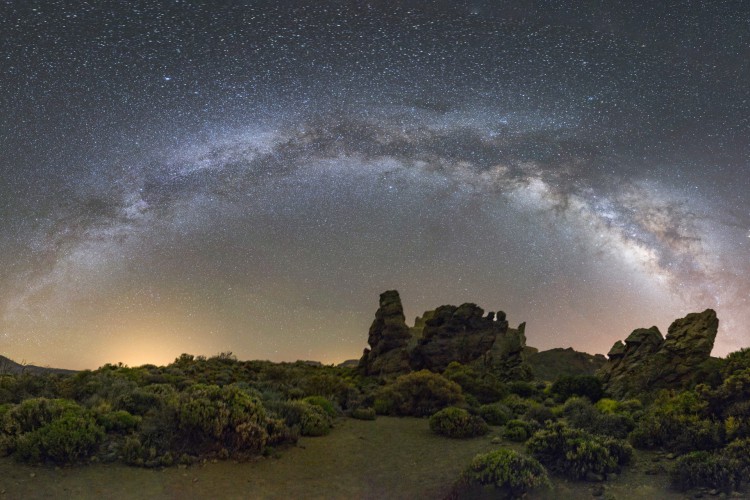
248 176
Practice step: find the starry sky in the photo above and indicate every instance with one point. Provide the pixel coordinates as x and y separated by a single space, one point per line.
248 176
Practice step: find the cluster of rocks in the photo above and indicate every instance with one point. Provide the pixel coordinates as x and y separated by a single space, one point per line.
645 361
449 333
648 361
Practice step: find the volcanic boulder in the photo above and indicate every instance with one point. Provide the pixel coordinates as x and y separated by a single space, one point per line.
647 361
456 333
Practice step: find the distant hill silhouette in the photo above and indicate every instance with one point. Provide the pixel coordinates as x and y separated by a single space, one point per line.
7 365
554 363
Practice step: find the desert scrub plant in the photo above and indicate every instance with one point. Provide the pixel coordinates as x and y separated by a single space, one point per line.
57 430
315 421
517 405
221 416
607 406
418 394
485 387
677 422
538 413
364 413
322 402
575 453
517 430
311 420
495 414
64 440
581 414
739 450
457 423
119 421
702 468
509 473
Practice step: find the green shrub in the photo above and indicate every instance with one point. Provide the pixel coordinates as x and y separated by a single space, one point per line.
418 394
619 449
119 421
587 386
311 420
511 474
679 423
517 405
323 403
66 439
739 450
209 417
517 430
363 413
607 406
701 468
315 421
41 429
457 423
31 414
538 413
485 387
495 414
575 453
581 414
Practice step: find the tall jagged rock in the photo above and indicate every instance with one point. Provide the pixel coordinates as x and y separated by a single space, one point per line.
388 338
647 361
506 358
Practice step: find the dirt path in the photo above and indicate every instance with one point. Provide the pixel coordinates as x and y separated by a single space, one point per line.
389 458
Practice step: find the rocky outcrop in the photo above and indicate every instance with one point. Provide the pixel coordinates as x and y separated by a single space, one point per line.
506 357
449 333
647 361
388 339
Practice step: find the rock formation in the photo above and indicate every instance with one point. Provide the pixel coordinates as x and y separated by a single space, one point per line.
388 339
452 333
449 333
646 361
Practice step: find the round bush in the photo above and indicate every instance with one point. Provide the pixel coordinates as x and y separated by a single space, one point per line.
58 430
418 394
495 414
574 453
65 439
510 473
212 417
311 420
119 421
457 423
517 430
314 421
701 468
322 402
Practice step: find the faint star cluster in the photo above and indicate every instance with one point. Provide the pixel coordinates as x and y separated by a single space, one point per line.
248 176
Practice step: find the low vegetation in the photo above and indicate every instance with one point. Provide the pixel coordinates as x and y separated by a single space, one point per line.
507 472
457 423
218 407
